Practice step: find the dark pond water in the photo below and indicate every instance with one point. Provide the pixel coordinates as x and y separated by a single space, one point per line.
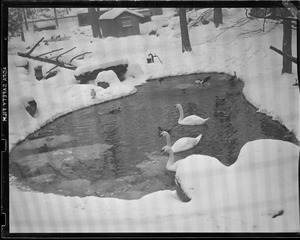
113 149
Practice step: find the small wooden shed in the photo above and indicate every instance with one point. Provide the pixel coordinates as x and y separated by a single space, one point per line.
83 19
44 25
120 22
145 12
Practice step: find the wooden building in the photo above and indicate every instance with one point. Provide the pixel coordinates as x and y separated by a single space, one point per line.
83 19
120 22
44 25
145 12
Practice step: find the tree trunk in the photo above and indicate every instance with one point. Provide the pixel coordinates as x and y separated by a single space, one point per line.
185 39
19 12
94 21
287 46
22 34
25 18
218 16
55 15
298 50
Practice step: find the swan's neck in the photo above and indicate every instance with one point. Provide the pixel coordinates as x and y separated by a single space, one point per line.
170 163
168 140
180 113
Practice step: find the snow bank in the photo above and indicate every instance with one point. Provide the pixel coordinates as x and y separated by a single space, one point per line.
55 97
244 197
90 66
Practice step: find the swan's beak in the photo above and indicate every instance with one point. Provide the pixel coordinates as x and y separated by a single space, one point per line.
162 151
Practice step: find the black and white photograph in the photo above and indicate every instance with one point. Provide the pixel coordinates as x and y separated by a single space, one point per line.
150 117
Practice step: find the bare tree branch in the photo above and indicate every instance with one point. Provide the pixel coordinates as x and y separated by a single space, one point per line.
241 21
293 59
52 69
273 17
49 52
64 65
64 53
34 47
82 54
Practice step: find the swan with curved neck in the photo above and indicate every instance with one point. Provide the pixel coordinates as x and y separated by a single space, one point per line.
181 144
171 165
189 120
189 173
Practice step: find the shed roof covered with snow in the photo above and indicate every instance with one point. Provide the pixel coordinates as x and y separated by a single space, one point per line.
44 25
120 22
114 13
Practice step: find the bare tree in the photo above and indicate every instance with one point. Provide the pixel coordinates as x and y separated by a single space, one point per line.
218 16
287 44
21 26
55 16
94 21
284 16
15 22
25 18
185 39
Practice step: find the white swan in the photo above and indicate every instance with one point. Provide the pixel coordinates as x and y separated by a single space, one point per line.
189 120
181 144
195 173
195 162
171 165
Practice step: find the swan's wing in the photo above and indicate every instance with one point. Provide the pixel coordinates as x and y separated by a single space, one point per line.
192 119
183 144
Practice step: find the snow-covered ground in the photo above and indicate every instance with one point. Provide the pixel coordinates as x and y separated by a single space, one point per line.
258 193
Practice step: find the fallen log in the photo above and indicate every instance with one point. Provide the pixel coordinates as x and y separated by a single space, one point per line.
60 64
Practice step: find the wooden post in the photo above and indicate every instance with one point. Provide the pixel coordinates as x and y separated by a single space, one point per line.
55 15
